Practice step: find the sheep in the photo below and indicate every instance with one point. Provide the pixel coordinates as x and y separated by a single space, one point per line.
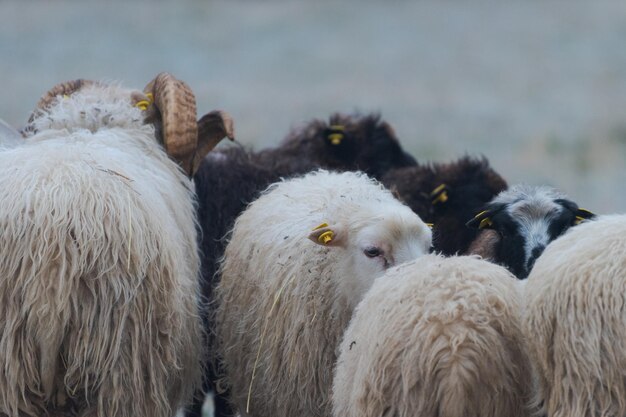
99 279
518 224
575 320
9 137
346 142
435 337
447 195
238 175
283 301
358 142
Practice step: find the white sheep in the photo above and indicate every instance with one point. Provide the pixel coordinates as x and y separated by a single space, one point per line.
575 320
436 337
284 301
99 272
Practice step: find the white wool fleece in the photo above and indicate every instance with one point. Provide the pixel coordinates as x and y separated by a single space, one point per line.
436 337
575 320
288 299
99 279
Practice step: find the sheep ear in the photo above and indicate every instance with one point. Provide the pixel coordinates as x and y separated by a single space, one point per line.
326 235
582 215
481 221
212 128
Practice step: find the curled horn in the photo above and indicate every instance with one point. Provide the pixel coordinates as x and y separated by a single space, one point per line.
174 116
62 89
212 128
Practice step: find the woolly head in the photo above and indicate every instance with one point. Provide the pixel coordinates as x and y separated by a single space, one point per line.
350 142
526 219
370 239
166 104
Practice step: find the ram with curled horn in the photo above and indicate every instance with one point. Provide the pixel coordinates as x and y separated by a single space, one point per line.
170 106
100 260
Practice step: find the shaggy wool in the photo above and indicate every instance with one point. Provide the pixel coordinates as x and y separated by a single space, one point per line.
436 337
283 301
99 279
575 320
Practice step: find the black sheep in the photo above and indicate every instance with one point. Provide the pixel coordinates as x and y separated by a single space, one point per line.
230 178
447 195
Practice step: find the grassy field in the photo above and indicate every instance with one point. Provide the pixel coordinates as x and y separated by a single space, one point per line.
537 87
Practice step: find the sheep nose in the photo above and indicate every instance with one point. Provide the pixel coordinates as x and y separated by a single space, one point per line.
536 252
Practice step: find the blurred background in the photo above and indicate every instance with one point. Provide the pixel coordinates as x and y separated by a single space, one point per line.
537 87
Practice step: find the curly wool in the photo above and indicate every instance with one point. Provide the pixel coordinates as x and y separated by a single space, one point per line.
436 337
288 299
98 284
575 320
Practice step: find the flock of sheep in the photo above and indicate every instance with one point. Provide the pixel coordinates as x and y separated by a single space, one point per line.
333 275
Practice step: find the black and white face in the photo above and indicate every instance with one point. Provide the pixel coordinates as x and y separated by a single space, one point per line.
526 225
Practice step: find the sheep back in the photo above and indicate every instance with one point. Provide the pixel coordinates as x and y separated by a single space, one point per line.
99 276
575 320
435 337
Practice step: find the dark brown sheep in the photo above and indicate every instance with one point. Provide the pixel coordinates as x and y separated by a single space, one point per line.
447 195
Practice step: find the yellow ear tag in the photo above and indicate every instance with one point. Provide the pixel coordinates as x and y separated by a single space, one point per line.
320 226
586 215
65 96
438 189
326 237
441 198
144 104
430 225
443 194
486 222
336 136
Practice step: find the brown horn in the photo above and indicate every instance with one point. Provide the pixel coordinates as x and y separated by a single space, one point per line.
176 110
61 89
212 128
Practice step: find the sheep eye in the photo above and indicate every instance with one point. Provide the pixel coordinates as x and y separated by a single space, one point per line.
372 252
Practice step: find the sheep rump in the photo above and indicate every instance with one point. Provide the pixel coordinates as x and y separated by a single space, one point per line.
436 337
575 320
99 313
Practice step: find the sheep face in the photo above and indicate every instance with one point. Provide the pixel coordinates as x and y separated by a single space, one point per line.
526 219
373 246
